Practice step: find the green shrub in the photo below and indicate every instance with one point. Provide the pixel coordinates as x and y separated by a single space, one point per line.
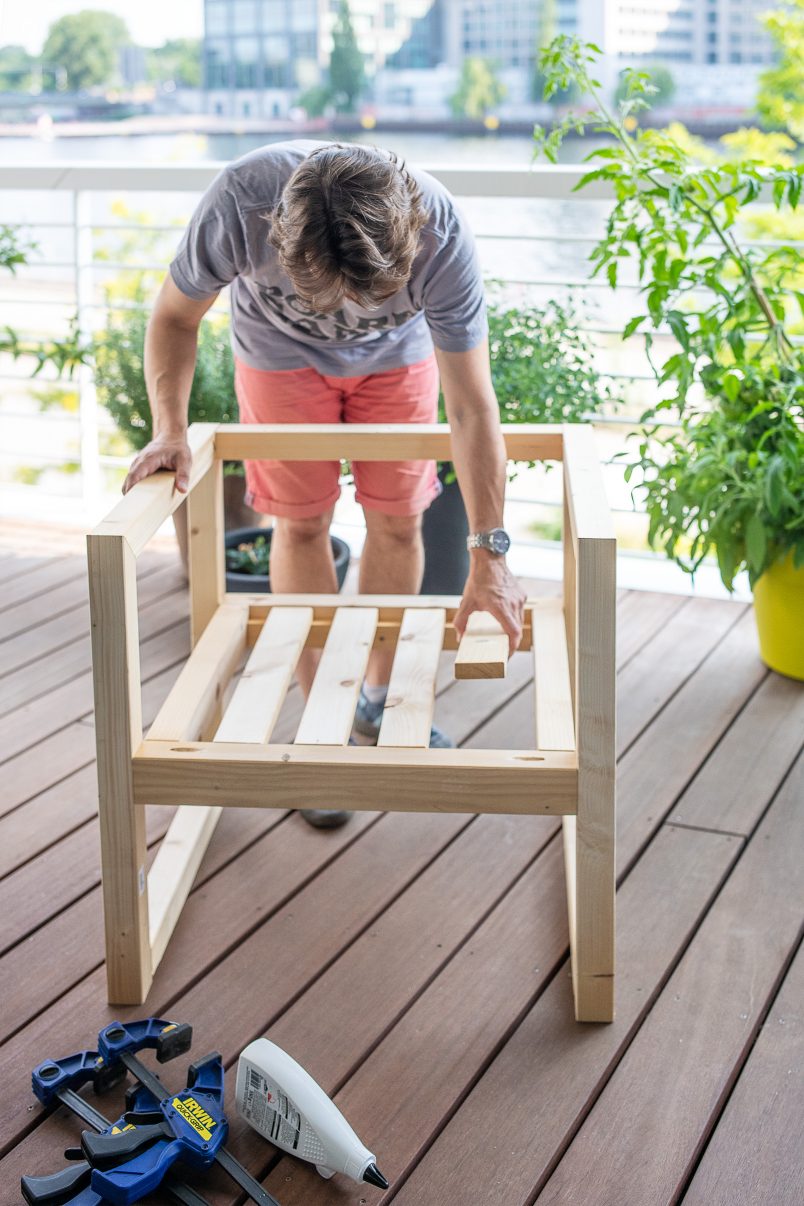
542 365
120 381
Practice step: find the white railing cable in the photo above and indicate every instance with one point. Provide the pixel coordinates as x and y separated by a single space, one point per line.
85 267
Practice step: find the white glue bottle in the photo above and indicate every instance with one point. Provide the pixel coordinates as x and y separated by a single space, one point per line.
285 1105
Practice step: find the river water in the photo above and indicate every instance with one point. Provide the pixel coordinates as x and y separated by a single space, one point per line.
425 149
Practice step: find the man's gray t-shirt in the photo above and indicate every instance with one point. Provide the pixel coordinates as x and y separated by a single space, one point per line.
227 242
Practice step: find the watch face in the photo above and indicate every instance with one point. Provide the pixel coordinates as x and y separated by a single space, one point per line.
500 541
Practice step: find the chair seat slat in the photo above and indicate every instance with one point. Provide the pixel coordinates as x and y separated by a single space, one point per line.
408 714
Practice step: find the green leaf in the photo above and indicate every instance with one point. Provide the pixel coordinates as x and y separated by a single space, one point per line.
731 384
774 486
633 325
678 325
756 544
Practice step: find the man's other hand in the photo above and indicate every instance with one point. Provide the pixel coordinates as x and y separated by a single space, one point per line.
163 452
493 588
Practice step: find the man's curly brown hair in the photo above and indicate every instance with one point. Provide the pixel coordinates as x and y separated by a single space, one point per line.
347 226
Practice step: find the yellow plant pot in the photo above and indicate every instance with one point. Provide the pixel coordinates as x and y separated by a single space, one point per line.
779 609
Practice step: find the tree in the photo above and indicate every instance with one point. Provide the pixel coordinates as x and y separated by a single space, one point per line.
479 90
780 102
178 61
315 100
16 69
347 72
660 82
86 45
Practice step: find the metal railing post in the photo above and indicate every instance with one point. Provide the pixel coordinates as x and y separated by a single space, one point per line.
87 395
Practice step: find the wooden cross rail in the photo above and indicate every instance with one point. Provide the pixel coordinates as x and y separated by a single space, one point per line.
210 745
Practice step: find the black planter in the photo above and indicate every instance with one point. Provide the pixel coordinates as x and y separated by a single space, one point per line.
254 583
444 529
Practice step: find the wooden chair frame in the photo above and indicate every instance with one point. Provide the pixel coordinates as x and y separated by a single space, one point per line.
204 756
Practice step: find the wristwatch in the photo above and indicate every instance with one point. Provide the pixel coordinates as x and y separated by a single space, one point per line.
496 541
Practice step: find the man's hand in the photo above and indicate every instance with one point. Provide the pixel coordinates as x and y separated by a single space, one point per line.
493 588
163 452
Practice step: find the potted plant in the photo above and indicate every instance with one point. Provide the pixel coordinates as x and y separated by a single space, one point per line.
729 477
543 372
248 560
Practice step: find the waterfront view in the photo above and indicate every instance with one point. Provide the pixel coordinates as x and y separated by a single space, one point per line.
446 88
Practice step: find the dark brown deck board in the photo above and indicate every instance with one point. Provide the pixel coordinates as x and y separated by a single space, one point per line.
643 1136
432 947
757 1152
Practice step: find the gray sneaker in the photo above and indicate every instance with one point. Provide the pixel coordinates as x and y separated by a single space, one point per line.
366 726
326 818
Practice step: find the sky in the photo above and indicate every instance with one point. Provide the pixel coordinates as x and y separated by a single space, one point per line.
151 22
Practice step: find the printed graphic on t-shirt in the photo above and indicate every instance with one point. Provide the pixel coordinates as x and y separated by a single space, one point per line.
338 325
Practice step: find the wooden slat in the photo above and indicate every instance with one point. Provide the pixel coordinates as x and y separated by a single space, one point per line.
173 871
330 710
191 709
260 692
198 692
298 776
141 512
555 725
372 442
483 651
408 714
391 609
205 548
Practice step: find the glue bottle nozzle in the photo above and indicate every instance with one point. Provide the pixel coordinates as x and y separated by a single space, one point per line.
375 1177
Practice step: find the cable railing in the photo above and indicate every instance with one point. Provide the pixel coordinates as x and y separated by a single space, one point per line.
76 275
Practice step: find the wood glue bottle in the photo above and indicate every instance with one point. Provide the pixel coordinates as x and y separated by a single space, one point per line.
284 1104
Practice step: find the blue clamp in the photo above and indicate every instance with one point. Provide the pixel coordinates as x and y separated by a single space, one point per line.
54 1076
193 1129
168 1039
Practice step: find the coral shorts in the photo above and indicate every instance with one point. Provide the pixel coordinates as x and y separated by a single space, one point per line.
302 489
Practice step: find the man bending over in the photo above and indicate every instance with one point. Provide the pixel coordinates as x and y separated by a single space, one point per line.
355 286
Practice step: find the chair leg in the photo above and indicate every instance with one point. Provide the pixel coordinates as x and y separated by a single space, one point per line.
118 732
590 869
125 899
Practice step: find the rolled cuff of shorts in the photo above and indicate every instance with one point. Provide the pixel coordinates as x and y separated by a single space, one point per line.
402 507
286 510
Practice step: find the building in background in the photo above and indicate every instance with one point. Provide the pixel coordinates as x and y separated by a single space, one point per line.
260 55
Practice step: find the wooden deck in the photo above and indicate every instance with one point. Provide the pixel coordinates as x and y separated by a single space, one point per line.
416 964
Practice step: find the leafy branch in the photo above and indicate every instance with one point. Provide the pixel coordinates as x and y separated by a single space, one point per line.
732 479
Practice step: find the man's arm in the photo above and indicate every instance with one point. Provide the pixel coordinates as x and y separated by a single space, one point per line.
478 452
171 342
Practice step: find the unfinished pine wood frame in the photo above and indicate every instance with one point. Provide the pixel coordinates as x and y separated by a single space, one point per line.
209 747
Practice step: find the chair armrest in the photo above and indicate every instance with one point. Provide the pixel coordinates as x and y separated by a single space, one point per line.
140 513
589 513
